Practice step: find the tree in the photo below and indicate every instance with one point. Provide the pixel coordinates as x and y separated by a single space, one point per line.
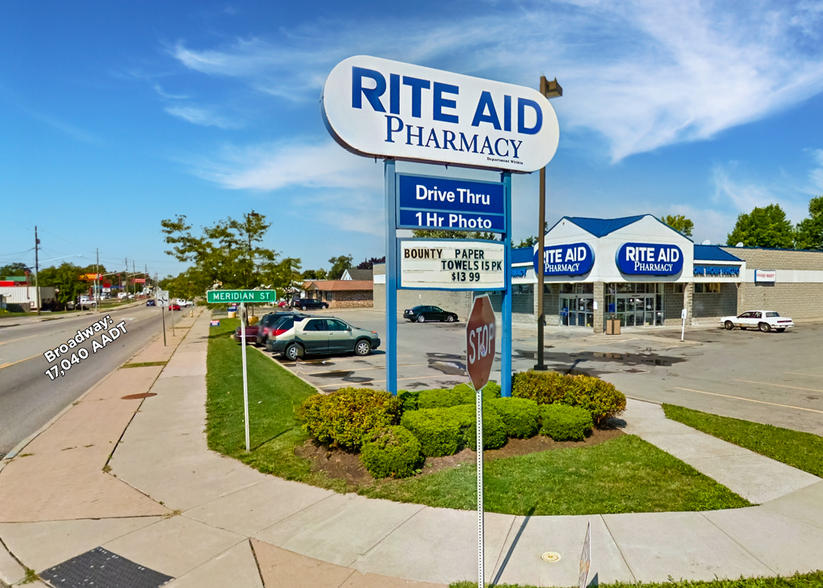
228 252
679 223
527 242
447 234
14 269
368 264
318 274
809 233
763 227
66 280
339 265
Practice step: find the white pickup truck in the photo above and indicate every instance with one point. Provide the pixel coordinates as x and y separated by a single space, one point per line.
87 302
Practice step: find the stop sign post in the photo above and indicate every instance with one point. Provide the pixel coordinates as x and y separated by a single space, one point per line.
480 346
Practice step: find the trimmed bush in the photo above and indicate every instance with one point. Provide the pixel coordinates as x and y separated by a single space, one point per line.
437 429
460 394
342 418
439 398
600 398
408 399
565 423
391 451
494 429
520 416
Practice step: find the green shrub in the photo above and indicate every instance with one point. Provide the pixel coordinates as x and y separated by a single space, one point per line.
565 423
600 398
460 394
494 429
520 415
342 418
437 429
408 399
391 451
439 398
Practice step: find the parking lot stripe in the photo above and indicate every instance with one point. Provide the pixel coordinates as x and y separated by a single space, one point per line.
398 379
358 369
810 375
751 400
780 385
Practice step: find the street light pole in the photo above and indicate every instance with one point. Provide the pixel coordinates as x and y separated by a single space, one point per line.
549 90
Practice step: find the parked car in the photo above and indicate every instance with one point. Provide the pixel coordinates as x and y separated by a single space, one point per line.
268 323
307 303
151 302
323 336
86 302
283 329
174 306
765 320
421 314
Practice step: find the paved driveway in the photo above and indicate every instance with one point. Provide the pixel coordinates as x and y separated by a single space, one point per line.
774 378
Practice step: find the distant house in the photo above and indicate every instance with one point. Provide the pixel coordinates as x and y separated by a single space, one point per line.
341 293
357 275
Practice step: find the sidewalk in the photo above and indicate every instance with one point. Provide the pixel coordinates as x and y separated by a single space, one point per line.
182 512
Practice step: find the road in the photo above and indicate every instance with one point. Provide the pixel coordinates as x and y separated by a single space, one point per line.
28 397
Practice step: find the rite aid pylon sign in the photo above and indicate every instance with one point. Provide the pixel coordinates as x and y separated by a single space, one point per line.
380 108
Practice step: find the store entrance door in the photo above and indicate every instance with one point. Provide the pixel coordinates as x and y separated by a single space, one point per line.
636 310
577 311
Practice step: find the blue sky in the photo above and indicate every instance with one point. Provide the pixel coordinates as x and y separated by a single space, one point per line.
115 115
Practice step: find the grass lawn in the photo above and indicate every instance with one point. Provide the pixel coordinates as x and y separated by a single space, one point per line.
274 394
803 451
625 474
810 580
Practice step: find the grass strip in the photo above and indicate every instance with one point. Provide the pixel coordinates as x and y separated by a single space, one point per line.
274 394
625 474
803 451
143 364
809 580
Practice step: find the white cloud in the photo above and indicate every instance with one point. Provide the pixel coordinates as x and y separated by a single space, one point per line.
736 193
203 117
816 174
642 73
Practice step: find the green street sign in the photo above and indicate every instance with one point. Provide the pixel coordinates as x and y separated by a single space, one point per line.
238 296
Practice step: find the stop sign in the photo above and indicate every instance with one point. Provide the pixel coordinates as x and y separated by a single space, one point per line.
480 339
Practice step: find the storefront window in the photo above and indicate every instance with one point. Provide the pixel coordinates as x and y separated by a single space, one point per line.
711 288
635 304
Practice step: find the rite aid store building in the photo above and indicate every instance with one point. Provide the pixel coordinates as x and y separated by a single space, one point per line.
643 272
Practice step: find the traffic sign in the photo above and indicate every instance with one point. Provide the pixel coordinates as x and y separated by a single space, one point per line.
480 341
247 296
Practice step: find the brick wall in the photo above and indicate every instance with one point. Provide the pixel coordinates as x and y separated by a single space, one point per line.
707 308
795 299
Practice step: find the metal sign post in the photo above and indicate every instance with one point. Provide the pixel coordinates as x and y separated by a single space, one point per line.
161 298
683 314
245 374
480 346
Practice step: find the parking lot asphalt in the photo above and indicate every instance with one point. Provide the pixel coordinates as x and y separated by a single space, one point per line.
772 378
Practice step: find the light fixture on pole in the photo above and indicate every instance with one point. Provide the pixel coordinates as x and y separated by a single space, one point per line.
549 89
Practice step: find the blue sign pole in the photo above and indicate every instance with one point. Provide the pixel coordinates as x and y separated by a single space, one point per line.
391 277
506 347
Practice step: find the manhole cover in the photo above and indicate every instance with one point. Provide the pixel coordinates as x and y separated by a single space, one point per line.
550 556
102 568
139 396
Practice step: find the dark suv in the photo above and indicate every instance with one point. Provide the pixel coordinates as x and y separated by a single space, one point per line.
306 303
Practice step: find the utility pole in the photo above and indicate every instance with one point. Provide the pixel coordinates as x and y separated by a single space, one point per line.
96 280
133 271
125 275
36 271
549 90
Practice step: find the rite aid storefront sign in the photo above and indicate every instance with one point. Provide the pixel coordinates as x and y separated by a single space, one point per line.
646 259
381 108
574 259
445 203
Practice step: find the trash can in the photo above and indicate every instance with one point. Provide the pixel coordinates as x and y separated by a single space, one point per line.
613 326
232 314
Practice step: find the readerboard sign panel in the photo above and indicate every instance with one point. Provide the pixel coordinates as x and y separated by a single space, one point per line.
380 108
238 296
445 203
451 264
573 259
649 259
